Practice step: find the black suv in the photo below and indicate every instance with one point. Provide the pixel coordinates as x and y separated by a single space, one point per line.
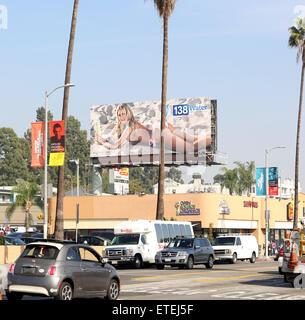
185 252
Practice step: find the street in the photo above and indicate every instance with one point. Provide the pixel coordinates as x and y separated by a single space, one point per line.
240 281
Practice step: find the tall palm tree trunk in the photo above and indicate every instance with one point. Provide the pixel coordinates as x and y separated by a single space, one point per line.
59 219
160 201
296 188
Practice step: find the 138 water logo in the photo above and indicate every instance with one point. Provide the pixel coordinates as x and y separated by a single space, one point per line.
3 17
185 109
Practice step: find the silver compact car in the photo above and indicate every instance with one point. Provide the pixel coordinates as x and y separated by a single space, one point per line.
63 270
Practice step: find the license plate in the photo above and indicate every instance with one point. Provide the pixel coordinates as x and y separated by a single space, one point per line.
114 262
168 259
28 270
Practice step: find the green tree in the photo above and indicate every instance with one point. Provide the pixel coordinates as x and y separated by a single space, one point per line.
59 221
246 176
297 40
12 154
174 174
228 180
165 8
26 196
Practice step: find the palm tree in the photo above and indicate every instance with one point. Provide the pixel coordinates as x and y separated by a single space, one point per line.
228 180
27 196
297 40
59 219
246 174
165 8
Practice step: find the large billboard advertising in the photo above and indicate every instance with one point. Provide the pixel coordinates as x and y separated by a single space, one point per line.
129 133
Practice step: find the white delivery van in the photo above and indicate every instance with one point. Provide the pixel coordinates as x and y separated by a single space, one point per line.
137 242
235 247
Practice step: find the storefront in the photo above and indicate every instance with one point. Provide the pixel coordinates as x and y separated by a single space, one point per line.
210 213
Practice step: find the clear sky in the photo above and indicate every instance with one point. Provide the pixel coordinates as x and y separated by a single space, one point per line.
233 51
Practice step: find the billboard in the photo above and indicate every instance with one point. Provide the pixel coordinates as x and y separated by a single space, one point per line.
129 133
119 180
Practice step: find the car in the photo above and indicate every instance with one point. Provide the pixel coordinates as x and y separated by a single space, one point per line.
104 234
94 240
63 270
235 247
14 241
32 237
185 252
23 234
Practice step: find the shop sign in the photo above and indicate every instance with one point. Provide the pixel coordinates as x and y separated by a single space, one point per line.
249 204
223 207
290 211
186 208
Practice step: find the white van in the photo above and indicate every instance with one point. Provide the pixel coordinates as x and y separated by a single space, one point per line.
235 247
137 242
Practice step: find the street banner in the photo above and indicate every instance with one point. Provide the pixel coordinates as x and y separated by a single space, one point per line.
260 181
37 133
57 146
273 181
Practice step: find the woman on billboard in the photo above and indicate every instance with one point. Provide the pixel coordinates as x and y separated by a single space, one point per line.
131 130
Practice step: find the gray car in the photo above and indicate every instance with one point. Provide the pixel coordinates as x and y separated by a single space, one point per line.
63 270
185 252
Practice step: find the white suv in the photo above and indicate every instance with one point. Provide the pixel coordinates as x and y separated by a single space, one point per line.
236 247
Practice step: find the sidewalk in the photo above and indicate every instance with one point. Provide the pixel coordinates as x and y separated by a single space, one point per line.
263 258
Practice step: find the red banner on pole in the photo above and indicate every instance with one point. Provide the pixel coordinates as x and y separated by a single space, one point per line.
37 133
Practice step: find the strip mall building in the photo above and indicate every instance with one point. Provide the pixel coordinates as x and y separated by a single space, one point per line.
221 213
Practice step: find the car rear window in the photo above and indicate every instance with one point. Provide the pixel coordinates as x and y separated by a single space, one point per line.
40 252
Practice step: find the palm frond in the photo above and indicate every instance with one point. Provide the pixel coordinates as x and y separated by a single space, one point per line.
300 50
10 210
165 7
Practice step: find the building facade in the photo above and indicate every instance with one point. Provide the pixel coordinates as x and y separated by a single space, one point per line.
218 213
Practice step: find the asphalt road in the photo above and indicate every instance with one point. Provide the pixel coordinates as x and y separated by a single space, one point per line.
241 281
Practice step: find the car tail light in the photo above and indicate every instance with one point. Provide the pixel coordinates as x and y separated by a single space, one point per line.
52 271
12 268
281 253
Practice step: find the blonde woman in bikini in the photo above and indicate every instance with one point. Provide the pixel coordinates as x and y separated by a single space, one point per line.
129 129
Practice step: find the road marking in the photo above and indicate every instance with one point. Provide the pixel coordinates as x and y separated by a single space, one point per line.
196 273
231 278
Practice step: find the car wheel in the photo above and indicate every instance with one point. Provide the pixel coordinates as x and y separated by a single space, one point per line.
65 292
14 296
138 262
190 263
160 266
234 258
210 263
113 290
253 258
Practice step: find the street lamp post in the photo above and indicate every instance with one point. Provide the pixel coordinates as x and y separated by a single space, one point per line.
45 216
77 174
70 177
267 213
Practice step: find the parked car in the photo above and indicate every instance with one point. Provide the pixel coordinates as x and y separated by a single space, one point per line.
63 270
13 241
235 247
104 234
23 234
185 252
94 241
33 238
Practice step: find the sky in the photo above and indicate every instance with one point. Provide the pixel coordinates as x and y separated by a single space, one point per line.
233 51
